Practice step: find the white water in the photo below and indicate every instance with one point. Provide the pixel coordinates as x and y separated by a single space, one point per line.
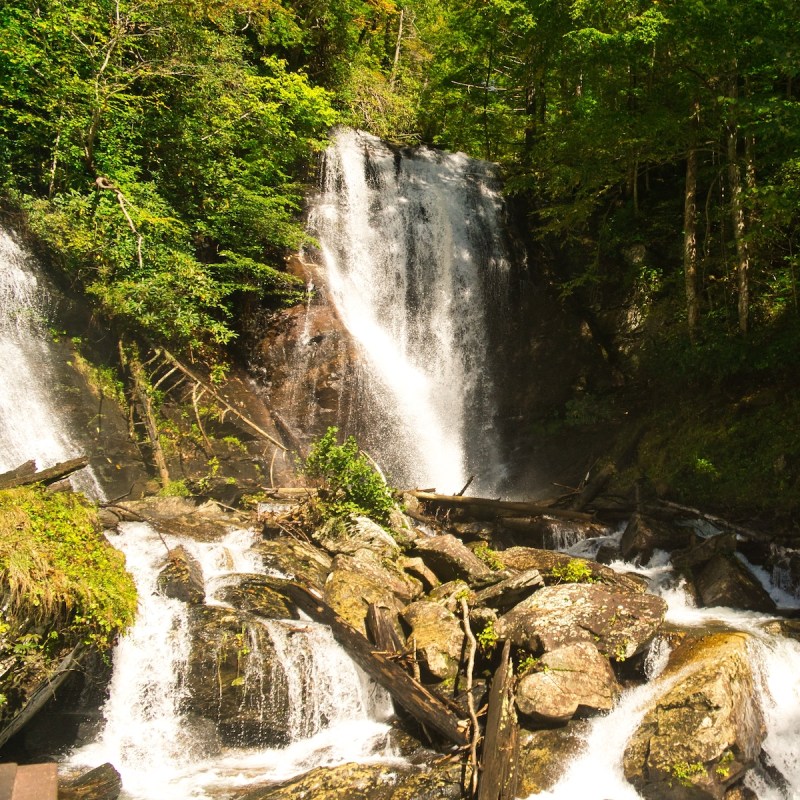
31 424
337 714
597 773
414 258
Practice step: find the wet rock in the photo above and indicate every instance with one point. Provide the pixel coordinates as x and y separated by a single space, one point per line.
100 783
349 535
182 577
181 516
726 581
451 560
549 533
436 636
620 624
570 680
295 559
107 518
705 729
643 535
367 782
740 793
259 595
234 678
519 559
703 551
363 578
544 756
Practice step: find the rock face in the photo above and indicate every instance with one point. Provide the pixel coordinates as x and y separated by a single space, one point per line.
182 577
259 595
437 637
367 782
571 679
354 534
362 579
228 652
297 560
726 581
620 624
705 730
451 560
643 535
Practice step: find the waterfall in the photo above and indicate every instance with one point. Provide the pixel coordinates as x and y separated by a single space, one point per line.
414 262
31 424
336 713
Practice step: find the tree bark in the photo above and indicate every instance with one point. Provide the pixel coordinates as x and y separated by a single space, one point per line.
738 222
690 244
23 476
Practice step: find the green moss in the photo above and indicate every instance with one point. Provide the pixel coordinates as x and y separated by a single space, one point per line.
489 557
576 570
56 565
684 772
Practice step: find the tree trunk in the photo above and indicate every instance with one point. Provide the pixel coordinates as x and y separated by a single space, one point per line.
690 243
738 222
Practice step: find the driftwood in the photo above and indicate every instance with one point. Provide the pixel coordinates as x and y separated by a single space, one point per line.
498 774
22 475
381 631
425 707
484 507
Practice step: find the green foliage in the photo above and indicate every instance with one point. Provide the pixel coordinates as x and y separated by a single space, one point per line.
487 637
58 571
490 557
350 483
526 664
684 772
576 570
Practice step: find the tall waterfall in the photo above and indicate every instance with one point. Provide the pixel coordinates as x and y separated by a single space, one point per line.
31 423
414 261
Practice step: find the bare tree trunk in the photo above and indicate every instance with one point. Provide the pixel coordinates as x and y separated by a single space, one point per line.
396 61
738 223
690 243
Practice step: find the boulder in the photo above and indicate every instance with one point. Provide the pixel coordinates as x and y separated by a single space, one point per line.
100 783
182 577
549 533
260 595
507 593
643 535
417 568
436 636
726 581
339 535
703 551
520 559
361 579
396 781
232 661
452 560
544 756
571 680
620 624
705 728
295 560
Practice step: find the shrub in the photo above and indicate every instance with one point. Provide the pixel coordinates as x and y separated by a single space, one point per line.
350 483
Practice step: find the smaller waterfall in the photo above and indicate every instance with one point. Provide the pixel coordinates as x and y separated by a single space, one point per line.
336 713
31 425
414 259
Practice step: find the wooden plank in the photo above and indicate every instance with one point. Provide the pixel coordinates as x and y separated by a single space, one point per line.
498 773
8 774
424 706
36 782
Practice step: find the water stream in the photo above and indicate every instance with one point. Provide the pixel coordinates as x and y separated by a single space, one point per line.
336 714
31 424
415 262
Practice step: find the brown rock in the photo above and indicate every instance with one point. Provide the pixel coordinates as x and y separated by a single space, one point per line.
437 637
182 577
702 733
726 581
451 559
643 535
571 680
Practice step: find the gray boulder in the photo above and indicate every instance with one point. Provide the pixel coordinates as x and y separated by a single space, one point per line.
436 636
451 559
339 535
182 577
726 581
620 624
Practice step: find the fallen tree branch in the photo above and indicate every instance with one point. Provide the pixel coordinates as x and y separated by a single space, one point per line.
424 706
476 731
22 476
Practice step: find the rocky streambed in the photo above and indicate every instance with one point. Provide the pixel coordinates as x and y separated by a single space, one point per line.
509 656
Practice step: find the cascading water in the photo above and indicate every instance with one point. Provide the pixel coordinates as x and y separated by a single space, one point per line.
160 750
597 772
414 260
31 425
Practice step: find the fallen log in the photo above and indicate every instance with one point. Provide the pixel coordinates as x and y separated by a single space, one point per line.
593 487
421 704
498 773
484 507
22 476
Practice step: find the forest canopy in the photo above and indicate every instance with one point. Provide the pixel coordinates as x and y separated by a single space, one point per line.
162 150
